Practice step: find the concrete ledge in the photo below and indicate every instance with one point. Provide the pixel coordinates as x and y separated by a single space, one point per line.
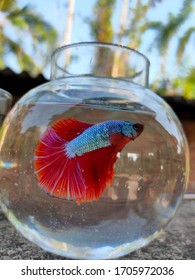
176 243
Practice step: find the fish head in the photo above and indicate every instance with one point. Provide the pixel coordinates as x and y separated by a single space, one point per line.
132 129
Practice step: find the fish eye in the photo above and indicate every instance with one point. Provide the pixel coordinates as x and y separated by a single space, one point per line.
138 127
135 127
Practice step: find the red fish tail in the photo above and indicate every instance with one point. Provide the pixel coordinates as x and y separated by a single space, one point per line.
57 174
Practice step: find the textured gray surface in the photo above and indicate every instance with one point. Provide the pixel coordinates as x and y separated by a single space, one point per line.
178 241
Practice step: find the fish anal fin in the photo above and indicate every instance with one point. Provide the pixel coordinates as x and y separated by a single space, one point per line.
97 170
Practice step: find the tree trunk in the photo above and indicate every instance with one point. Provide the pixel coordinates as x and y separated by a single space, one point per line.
68 28
123 20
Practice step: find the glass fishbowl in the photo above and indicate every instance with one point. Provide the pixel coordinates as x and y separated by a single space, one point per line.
93 164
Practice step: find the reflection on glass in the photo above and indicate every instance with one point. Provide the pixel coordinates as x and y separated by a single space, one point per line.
5 104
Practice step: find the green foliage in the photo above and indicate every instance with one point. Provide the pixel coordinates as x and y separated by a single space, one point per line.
182 86
27 19
137 23
161 87
183 41
5 5
185 85
24 60
25 22
166 31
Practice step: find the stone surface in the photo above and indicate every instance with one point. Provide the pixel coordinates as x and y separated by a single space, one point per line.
177 242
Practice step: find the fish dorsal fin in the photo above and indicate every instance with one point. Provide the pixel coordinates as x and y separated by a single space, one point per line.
69 129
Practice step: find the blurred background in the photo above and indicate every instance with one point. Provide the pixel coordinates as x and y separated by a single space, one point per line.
163 30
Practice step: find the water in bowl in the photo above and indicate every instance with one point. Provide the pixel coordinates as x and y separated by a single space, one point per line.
149 175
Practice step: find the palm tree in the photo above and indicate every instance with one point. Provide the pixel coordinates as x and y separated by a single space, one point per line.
68 29
24 24
101 25
69 22
183 41
166 31
133 24
102 31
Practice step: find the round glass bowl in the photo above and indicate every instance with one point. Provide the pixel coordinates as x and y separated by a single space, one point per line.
92 85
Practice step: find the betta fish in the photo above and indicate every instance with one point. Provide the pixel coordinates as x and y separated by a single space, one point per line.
75 160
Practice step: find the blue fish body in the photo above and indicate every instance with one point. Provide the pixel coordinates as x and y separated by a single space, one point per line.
98 136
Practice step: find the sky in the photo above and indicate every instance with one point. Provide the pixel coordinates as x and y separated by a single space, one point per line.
55 11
